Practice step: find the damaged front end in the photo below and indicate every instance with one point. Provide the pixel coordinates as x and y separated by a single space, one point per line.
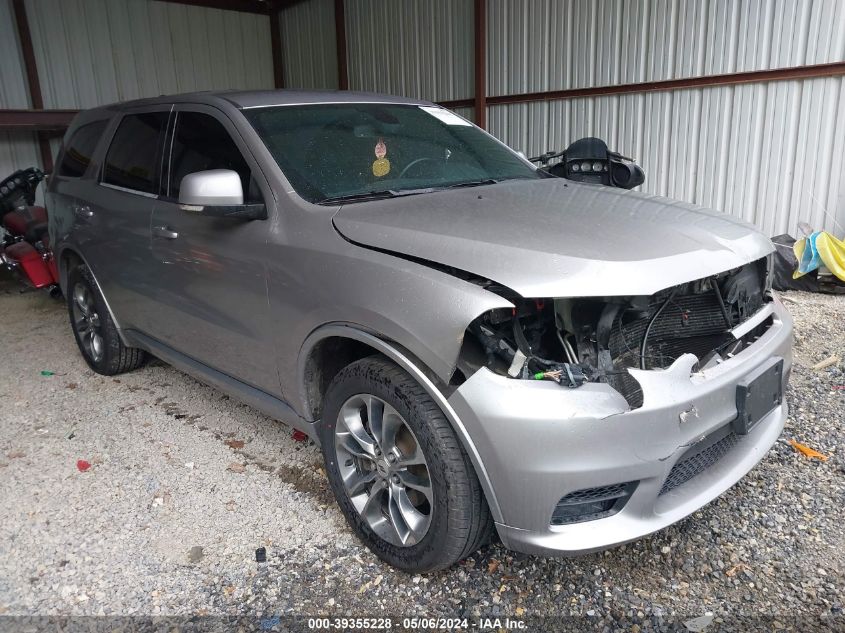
573 341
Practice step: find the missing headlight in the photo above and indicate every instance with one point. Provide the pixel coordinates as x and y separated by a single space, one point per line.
572 341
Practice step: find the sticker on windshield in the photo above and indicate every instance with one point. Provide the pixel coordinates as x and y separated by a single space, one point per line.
381 166
449 118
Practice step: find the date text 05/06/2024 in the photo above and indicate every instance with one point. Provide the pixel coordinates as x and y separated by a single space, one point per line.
417 623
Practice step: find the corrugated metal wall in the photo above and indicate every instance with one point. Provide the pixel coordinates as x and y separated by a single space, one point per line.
420 48
416 48
17 149
91 52
467 113
13 91
309 51
769 152
772 153
537 45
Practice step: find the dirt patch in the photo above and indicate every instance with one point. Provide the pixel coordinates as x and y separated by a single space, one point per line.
309 479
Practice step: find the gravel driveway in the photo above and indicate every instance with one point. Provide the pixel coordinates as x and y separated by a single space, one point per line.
185 484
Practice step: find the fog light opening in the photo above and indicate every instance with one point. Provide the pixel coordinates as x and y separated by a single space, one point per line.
590 504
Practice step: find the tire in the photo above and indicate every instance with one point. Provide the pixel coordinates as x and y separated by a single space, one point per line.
457 515
94 329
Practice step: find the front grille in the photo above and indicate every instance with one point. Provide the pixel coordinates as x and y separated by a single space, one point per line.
699 458
589 504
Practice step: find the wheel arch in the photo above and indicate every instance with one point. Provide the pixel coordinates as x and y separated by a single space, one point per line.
69 257
361 343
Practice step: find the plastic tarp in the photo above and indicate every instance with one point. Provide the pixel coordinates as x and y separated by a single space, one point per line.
818 248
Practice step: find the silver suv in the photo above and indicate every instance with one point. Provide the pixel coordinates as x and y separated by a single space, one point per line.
477 347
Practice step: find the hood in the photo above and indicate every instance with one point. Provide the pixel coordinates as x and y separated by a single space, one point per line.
556 238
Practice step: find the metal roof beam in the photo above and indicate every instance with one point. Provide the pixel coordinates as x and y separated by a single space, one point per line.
32 80
480 55
36 120
244 6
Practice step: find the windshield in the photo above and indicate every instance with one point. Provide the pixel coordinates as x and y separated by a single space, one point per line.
345 152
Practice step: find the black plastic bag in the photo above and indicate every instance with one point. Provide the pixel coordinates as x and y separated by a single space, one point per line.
785 264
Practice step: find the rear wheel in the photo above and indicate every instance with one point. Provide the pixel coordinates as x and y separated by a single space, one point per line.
94 329
398 471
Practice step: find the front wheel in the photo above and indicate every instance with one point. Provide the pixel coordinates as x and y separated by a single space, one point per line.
398 471
94 330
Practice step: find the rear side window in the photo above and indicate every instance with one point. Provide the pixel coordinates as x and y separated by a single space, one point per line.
134 157
201 143
80 149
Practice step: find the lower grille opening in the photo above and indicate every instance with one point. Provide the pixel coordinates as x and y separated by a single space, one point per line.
590 504
700 457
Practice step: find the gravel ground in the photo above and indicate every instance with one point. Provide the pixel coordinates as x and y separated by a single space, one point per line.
185 484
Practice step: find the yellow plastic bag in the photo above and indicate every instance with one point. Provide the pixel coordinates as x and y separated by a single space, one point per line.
820 248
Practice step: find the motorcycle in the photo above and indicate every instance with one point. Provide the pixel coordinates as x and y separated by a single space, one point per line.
24 241
589 160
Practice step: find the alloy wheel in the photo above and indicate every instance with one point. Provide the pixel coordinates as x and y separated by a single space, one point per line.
384 470
87 322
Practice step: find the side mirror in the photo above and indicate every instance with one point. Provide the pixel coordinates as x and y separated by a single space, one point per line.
217 193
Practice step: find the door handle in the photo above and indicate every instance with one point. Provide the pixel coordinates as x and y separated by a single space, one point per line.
83 211
165 232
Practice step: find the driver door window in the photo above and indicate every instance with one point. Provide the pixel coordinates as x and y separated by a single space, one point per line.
201 143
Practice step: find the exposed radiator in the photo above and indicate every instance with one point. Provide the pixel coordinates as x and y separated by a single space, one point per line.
691 323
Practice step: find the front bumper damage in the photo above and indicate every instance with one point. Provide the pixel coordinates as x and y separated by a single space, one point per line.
539 442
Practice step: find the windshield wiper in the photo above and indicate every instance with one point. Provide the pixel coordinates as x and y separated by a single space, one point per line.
374 195
356 197
473 183
398 193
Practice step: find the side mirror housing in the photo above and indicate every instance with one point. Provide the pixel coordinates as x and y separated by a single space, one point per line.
212 187
217 193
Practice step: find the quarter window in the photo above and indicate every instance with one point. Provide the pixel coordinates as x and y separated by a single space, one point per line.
80 149
134 155
202 143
